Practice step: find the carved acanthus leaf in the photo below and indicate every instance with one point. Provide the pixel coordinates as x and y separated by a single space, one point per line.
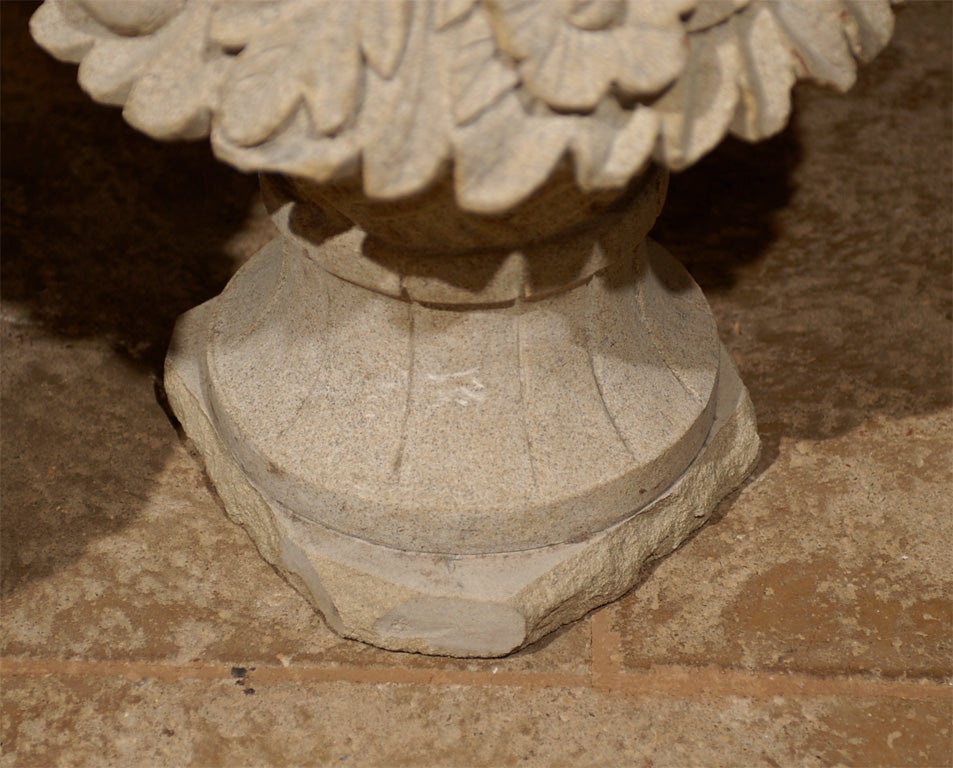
236 23
740 71
501 90
449 11
571 53
312 56
765 79
486 177
711 12
869 26
384 28
696 111
406 119
478 77
612 145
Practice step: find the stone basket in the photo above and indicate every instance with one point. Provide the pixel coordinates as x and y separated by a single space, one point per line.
462 398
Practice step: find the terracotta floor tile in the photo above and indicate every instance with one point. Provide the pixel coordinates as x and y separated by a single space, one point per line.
788 633
131 555
838 557
126 552
108 720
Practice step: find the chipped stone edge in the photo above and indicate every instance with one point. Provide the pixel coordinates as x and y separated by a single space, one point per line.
468 605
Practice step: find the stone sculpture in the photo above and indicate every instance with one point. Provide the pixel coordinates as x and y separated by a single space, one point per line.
461 399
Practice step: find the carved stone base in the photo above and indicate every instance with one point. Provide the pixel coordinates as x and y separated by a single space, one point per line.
461 605
461 399
463 478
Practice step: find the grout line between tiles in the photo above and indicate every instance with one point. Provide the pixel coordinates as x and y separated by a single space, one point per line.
657 682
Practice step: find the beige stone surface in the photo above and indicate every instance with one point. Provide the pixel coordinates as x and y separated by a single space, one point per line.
505 91
826 256
484 604
426 419
213 722
463 428
463 479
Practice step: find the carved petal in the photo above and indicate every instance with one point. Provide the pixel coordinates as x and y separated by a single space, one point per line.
133 18
449 11
477 76
874 26
650 58
108 71
174 98
236 23
61 31
294 150
261 96
766 76
631 149
815 30
572 65
384 27
612 145
570 72
496 166
408 117
311 54
327 61
696 111
711 12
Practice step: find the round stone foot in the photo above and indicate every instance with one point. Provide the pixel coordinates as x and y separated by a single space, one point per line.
457 603
456 433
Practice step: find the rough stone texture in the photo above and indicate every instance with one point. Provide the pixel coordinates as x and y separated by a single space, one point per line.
127 601
210 723
505 91
485 604
467 428
376 383
462 480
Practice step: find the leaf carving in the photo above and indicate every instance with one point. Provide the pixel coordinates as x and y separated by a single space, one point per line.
175 95
696 111
450 11
328 64
66 38
407 117
261 96
384 27
765 78
496 166
502 88
311 55
819 46
478 78
871 28
612 145
711 12
108 71
236 23
138 18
